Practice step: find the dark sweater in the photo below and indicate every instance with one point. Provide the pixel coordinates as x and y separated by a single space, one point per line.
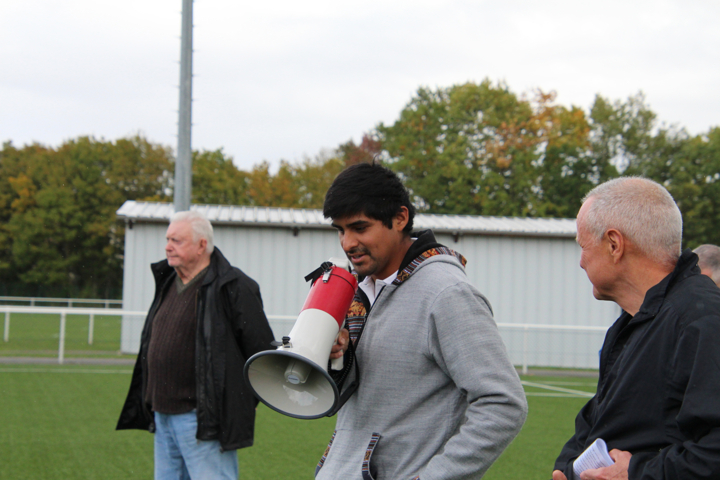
171 354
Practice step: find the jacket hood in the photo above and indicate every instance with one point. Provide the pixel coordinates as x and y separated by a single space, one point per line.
422 249
219 267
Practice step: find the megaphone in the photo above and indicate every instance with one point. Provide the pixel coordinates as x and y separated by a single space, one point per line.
293 379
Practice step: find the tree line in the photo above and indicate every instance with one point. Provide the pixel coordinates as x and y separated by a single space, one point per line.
475 148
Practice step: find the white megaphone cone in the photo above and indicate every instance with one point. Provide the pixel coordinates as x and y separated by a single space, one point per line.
293 379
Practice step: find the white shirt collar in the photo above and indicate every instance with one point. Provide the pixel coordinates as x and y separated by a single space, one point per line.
373 289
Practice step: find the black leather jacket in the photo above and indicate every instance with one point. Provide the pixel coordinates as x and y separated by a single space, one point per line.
231 327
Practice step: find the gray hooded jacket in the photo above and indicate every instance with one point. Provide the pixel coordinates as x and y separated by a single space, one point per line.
438 397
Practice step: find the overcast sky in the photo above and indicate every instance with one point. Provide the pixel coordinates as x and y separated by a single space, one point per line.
282 79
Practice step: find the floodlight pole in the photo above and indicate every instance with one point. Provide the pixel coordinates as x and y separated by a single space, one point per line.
183 163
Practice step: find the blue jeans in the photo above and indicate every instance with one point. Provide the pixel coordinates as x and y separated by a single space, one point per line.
181 456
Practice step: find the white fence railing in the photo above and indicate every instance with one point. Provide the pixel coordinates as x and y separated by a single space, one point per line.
521 353
277 321
36 301
555 331
571 346
64 312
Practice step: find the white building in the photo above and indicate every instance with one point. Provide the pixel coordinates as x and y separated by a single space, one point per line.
527 268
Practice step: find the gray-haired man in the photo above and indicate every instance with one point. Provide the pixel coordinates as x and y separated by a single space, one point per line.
656 401
709 261
187 387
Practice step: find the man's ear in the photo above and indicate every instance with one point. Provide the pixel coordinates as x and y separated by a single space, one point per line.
401 219
202 244
616 244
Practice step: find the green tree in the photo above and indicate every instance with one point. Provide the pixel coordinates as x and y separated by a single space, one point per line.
627 134
17 193
620 135
137 168
566 169
216 179
694 182
369 149
268 190
313 177
301 185
480 149
451 146
466 149
60 233
625 137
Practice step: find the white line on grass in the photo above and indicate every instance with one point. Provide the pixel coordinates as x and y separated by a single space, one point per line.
554 395
564 392
573 384
51 370
579 393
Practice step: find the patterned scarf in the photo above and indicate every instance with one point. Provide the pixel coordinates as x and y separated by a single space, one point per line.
357 314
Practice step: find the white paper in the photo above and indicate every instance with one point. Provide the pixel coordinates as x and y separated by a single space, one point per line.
595 456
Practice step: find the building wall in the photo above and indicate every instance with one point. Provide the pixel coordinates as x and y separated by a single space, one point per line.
539 281
527 280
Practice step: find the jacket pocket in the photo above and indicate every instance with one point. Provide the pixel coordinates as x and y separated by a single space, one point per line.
344 457
367 471
324 456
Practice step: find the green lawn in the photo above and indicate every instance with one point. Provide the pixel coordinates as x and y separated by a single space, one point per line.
550 423
58 422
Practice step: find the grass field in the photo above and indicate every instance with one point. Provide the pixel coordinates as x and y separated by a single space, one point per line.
57 422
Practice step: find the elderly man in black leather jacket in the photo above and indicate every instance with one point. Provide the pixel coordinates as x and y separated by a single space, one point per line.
206 319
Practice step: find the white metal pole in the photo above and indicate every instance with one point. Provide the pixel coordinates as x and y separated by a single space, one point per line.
183 162
6 335
61 347
91 328
525 362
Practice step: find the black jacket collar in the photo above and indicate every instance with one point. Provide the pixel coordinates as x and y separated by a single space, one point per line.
654 298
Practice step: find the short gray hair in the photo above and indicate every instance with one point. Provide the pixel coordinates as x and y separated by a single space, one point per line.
709 258
643 211
200 226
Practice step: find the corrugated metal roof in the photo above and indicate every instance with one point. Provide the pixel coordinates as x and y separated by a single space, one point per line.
305 218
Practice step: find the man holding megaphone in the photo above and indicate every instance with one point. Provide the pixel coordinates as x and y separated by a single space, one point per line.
438 397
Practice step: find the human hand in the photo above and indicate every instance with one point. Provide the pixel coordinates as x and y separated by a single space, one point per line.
341 345
616 471
558 475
